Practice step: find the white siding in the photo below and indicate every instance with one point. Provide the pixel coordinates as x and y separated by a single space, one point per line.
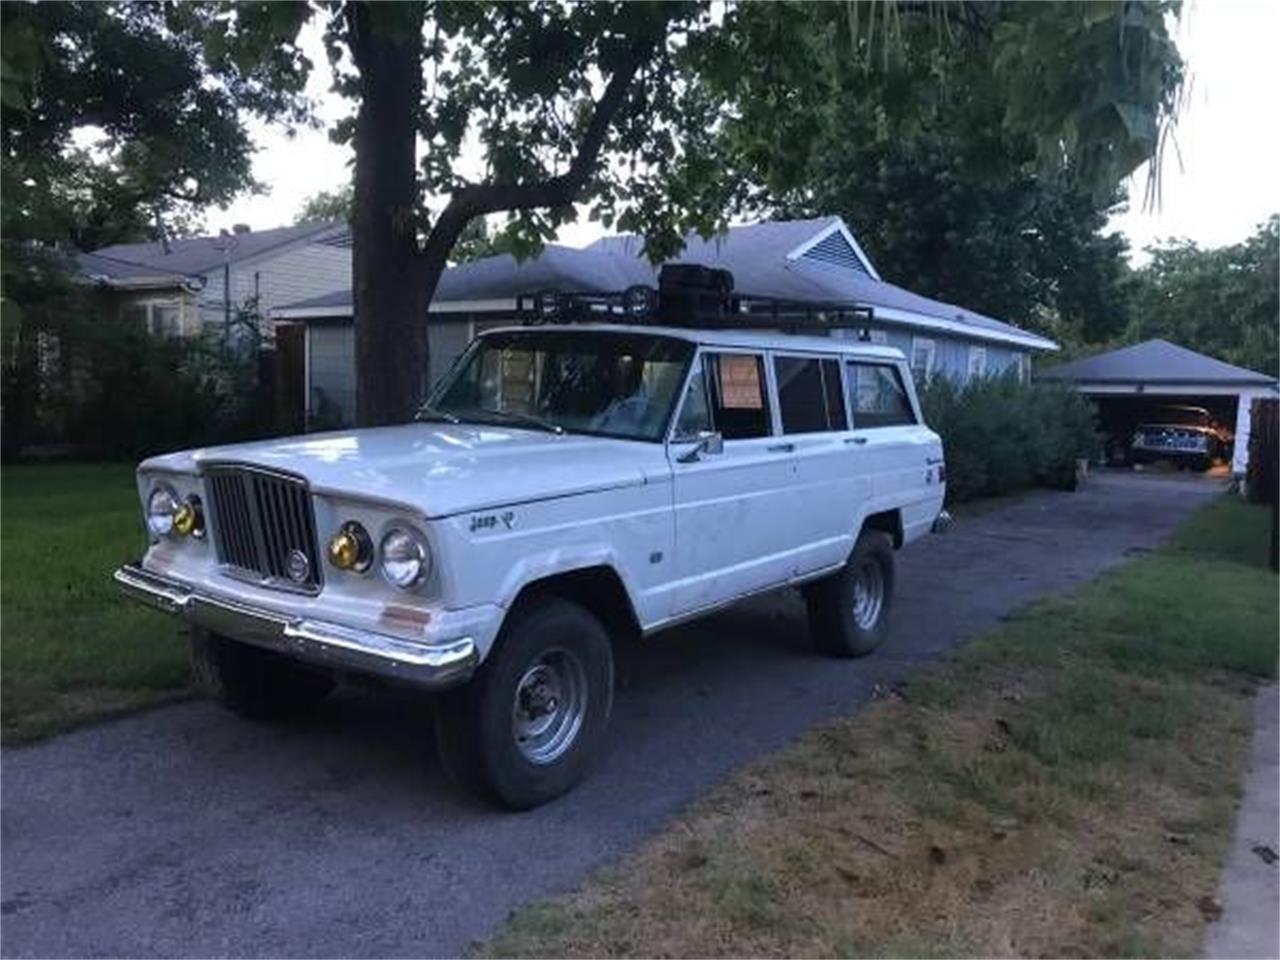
282 278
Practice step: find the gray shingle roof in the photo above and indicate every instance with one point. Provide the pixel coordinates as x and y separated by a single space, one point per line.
1154 361
755 253
196 255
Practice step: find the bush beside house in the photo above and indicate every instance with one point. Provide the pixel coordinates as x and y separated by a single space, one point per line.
1001 435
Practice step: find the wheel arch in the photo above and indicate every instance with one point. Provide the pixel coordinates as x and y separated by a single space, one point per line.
598 588
887 521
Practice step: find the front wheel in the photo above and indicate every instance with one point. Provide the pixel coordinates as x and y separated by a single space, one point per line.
527 727
848 610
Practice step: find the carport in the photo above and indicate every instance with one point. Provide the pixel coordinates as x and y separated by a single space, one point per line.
1130 384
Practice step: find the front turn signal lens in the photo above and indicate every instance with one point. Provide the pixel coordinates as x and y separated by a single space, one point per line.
351 548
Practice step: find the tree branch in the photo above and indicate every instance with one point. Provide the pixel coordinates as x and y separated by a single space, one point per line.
558 191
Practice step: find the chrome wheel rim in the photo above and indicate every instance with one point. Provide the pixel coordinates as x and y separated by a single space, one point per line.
868 594
549 707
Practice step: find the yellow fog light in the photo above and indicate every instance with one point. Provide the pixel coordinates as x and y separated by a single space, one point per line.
188 519
351 548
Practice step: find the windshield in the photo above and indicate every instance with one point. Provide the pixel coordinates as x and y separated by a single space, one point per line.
596 382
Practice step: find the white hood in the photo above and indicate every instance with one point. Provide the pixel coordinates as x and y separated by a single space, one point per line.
443 469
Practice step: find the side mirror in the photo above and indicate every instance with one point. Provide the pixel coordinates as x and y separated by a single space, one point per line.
710 442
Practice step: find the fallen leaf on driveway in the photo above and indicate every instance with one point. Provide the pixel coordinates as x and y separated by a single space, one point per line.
1210 907
1268 855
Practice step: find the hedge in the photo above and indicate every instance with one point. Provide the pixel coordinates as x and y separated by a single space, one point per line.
1001 435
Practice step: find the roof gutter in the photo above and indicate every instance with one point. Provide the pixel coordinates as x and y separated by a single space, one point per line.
913 319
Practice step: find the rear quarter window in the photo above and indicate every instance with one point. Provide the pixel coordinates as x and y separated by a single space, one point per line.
877 396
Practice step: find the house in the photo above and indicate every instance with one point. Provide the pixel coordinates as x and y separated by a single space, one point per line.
199 284
1129 385
810 260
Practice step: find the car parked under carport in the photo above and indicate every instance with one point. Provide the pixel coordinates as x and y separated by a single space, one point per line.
1134 386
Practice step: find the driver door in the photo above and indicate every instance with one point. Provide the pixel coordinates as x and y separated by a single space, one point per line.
730 507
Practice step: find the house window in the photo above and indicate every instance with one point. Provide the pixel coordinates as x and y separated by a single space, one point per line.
159 318
922 352
977 362
868 335
166 319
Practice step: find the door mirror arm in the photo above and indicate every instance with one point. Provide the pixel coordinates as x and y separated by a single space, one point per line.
710 442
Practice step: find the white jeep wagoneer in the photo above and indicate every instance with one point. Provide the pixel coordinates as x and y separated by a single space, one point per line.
569 485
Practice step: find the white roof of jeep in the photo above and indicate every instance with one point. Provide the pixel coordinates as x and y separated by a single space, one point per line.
744 339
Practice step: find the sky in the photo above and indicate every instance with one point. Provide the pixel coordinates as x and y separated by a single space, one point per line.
1220 182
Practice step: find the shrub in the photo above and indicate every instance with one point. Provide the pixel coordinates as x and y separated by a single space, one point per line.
1002 435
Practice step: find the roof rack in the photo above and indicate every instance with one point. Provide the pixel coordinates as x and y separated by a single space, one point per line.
690 295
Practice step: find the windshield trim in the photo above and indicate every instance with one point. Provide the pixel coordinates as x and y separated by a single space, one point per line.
444 383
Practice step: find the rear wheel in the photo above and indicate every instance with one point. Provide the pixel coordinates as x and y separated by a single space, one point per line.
848 610
530 723
253 682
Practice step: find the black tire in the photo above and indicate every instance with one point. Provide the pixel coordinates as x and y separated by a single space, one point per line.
253 682
476 725
837 630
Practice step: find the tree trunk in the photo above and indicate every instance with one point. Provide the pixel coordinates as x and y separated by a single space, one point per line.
390 298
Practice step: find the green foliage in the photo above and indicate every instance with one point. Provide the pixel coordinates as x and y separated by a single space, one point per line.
1000 435
106 386
162 90
119 121
1091 89
327 205
144 394
938 158
1224 302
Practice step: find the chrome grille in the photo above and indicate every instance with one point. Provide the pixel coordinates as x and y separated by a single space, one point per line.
259 519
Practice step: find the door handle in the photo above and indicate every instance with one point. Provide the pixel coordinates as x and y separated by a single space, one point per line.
858 440
782 448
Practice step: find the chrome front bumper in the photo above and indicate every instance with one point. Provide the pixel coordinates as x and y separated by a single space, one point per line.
318 642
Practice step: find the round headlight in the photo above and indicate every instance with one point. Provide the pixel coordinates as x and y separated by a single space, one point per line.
351 548
162 504
404 557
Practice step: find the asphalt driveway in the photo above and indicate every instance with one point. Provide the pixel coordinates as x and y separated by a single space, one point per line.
188 832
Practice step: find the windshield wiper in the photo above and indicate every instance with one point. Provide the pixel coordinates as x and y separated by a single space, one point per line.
529 419
426 412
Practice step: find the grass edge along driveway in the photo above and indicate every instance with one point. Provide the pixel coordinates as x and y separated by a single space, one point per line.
73 649
1062 786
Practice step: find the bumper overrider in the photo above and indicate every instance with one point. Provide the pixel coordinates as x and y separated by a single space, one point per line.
319 642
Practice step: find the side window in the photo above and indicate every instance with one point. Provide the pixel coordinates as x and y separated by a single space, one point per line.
695 411
801 399
809 394
877 396
739 405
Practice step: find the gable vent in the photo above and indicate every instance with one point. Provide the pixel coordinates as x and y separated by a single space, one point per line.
834 250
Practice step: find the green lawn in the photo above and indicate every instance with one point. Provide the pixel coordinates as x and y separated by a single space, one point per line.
1063 786
71 648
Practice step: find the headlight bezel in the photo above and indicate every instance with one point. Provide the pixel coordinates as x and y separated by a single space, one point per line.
425 560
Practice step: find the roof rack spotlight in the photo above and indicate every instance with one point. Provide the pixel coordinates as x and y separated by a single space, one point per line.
548 304
639 302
